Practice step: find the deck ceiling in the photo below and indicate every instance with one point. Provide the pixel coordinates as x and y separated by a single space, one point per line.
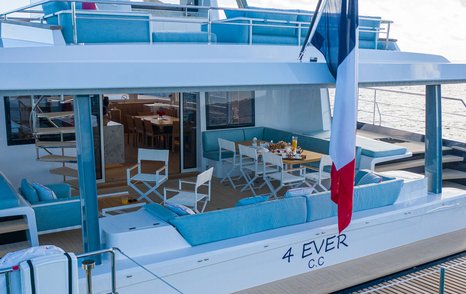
142 68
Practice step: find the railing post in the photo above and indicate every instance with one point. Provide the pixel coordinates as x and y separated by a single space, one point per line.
441 289
250 32
74 23
433 138
209 26
388 36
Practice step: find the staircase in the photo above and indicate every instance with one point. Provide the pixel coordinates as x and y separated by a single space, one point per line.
54 136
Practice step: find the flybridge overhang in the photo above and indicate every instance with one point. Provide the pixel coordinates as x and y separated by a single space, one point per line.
136 68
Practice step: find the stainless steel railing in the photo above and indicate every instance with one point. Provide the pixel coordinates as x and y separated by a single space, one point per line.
203 15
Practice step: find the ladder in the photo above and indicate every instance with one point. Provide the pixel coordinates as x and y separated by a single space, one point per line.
54 135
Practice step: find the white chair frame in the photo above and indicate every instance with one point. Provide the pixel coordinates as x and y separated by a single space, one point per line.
151 181
285 177
250 164
192 198
228 147
314 179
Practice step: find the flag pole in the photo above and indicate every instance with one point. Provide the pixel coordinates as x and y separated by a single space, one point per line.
312 27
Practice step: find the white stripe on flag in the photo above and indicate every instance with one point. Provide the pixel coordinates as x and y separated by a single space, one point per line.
343 131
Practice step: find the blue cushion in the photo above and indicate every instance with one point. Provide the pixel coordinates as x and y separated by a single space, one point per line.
61 215
160 212
250 133
234 13
274 40
242 220
314 144
213 155
179 209
62 190
374 148
368 178
267 18
296 192
44 192
210 138
276 135
230 33
28 191
252 200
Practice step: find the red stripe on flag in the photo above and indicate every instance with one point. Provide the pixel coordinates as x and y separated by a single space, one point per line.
342 187
89 6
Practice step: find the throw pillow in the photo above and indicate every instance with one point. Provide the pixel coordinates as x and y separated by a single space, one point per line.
299 192
44 192
252 200
29 192
369 178
179 209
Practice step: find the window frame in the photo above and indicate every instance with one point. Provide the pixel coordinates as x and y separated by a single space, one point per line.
9 133
229 126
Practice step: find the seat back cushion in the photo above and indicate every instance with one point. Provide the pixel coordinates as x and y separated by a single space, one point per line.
210 138
276 135
44 192
252 200
160 212
28 191
8 195
254 132
241 220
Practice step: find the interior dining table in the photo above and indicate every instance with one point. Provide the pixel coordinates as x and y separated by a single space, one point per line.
165 120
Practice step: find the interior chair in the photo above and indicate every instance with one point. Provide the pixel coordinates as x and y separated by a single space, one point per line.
175 134
228 159
151 180
314 179
293 177
191 198
131 130
153 136
251 168
139 128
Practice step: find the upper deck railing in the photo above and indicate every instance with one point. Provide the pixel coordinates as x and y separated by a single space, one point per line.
154 22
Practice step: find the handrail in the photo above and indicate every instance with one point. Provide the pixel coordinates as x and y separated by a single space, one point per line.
6 272
206 13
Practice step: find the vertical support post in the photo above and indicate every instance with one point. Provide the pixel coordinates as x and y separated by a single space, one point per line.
442 281
74 23
433 139
86 172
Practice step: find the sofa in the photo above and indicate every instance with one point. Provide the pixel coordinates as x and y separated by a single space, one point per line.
299 208
59 214
98 27
280 27
13 206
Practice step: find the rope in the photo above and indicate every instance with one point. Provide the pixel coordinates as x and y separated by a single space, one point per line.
147 270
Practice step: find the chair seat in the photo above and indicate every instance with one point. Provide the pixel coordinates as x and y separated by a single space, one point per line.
315 176
287 178
150 178
187 198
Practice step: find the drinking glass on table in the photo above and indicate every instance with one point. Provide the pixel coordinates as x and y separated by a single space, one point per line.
294 143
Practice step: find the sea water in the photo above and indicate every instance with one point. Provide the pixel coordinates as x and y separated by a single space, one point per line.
404 108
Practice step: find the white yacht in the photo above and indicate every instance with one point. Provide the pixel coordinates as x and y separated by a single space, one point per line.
90 89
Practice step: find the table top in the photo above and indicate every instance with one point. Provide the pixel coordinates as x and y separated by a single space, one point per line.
154 119
156 104
310 155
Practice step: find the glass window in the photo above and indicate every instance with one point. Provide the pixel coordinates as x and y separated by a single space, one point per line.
229 109
17 116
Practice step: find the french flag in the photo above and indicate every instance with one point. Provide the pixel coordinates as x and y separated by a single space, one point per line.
336 37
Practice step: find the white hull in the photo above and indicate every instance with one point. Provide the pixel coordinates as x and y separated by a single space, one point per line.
233 265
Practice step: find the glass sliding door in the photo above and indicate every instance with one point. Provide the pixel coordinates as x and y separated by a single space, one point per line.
189 131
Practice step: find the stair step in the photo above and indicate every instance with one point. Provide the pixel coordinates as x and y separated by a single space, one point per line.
56 144
453 174
416 163
73 183
65 171
13 226
55 131
51 115
459 148
58 158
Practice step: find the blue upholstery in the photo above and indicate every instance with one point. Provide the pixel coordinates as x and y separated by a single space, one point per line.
368 178
160 212
314 144
62 190
368 32
28 191
53 7
61 215
267 16
234 31
95 27
274 40
374 148
8 198
276 135
210 141
254 132
45 193
252 200
368 196
242 220
183 37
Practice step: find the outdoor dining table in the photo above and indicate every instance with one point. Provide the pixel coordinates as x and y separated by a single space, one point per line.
306 156
155 120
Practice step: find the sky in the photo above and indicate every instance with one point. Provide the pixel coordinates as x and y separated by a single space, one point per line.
427 26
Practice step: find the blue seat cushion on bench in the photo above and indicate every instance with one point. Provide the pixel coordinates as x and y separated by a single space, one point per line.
8 196
44 192
240 221
254 132
62 190
28 191
367 178
233 31
374 148
274 40
276 135
160 212
183 37
252 200
314 144
270 18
